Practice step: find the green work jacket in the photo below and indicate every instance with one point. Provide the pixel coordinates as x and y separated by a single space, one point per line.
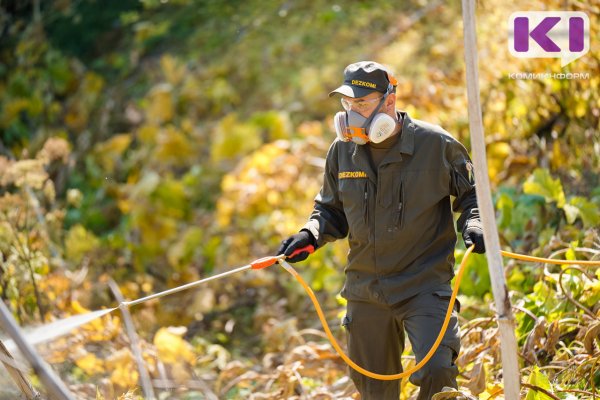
399 221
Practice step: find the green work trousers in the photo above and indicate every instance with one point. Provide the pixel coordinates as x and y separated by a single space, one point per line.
376 335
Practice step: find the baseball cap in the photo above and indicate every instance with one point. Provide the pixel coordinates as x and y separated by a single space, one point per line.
364 77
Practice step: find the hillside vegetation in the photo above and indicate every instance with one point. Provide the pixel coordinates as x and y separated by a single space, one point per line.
154 143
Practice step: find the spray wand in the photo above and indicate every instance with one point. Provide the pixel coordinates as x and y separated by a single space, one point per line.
256 264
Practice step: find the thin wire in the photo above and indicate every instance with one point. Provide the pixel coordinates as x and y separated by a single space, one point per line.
183 287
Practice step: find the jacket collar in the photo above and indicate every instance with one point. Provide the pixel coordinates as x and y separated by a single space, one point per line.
405 144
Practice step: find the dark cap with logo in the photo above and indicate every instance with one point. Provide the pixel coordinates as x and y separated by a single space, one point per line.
364 77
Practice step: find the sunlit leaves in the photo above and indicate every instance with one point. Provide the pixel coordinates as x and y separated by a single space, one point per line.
591 293
79 242
263 192
90 364
74 197
174 147
160 104
189 245
173 69
477 282
147 31
586 210
171 347
232 138
505 205
123 372
147 134
13 109
189 128
541 183
540 380
497 153
274 124
82 103
109 153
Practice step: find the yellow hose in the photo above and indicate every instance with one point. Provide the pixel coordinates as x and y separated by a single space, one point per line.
437 342
523 257
347 359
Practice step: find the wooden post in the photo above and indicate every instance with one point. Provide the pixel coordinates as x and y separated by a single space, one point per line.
17 374
56 388
135 343
506 326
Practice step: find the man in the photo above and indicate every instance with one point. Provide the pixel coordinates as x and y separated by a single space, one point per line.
387 185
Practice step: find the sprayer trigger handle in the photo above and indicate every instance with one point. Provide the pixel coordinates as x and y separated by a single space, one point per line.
310 249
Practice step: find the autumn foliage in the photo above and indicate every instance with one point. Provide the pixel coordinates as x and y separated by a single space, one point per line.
169 141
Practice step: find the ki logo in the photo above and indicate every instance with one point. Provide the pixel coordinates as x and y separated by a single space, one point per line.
549 34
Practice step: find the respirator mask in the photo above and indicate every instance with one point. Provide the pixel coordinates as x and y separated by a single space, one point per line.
351 126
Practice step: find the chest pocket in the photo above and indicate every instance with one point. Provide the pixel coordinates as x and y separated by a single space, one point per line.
356 195
395 212
390 198
386 192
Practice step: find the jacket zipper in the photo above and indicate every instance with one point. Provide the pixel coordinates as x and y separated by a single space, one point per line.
398 222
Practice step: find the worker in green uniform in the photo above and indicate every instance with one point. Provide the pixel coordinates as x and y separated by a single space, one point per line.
387 185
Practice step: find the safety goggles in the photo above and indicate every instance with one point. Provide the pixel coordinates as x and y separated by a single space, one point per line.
358 105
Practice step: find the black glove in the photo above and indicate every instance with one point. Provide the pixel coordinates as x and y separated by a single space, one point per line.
473 234
294 242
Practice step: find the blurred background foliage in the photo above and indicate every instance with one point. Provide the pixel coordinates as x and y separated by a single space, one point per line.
157 142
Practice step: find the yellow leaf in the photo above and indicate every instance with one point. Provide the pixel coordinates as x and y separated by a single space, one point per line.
124 372
580 108
233 137
79 242
76 117
90 364
160 108
124 205
74 198
148 134
110 152
78 308
12 109
102 329
124 376
225 211
92 83
117 144
174 146
558 158
174 71
171 347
